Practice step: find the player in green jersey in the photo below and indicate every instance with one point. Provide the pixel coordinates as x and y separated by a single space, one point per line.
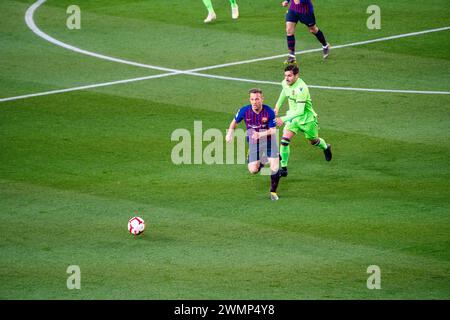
212 15
300 117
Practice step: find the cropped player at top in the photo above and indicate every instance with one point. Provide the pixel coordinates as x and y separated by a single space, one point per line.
303 11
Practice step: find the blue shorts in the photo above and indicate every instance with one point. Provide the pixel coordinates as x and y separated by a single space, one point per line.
268 148
307 19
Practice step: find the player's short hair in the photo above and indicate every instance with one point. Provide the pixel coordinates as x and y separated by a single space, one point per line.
255 90
292 67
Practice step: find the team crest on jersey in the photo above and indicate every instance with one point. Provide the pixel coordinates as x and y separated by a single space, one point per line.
296 91
264 120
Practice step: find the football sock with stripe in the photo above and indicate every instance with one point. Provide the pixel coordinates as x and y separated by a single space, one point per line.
285 151
321 144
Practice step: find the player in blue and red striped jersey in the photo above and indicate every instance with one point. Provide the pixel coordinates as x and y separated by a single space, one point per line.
261 136
303 11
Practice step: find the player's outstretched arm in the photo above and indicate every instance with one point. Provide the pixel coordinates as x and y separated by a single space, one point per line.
262 134
229 136
279 102
291 115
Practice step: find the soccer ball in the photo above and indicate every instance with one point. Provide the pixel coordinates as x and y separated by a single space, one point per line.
136 225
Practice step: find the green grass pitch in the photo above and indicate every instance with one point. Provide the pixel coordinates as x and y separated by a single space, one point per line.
74 166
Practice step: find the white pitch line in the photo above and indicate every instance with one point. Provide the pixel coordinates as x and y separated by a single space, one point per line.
30 23
320 49
193 72
104 84
214 77
379 90
323 87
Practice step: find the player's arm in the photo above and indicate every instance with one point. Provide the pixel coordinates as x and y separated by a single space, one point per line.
230 131
237 118
261 134
300 108
280 102
286 2
272 128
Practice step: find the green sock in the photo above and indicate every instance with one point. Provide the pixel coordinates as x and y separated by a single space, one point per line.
208 5
322 144
284 152
233 3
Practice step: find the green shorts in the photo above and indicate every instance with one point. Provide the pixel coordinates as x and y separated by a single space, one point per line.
309 129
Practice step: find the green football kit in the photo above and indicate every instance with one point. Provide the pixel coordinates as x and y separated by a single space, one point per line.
209 6
300 117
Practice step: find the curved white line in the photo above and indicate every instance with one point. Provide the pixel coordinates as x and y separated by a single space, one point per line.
31 24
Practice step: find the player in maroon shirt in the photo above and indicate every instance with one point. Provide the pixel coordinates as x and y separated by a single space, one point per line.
303 11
